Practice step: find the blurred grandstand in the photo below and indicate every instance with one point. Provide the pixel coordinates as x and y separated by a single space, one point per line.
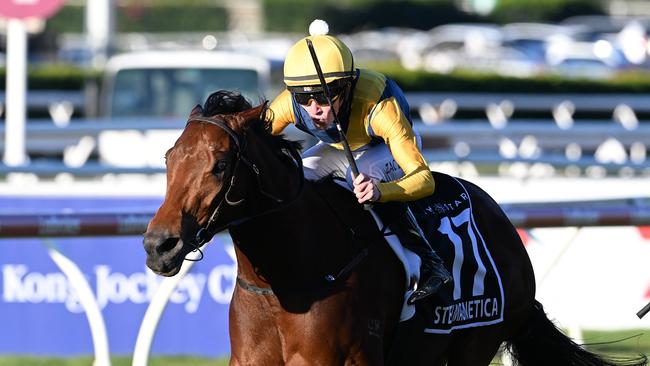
596 47
89 153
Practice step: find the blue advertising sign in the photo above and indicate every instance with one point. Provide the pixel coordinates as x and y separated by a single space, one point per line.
40 308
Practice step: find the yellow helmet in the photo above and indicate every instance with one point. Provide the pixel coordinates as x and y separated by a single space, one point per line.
334 56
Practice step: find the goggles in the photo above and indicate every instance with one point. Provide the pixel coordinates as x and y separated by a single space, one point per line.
319 97
303 94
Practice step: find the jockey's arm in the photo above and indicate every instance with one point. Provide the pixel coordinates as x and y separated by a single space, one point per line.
281 113
389 123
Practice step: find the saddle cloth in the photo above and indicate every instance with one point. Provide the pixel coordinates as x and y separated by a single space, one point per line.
447 220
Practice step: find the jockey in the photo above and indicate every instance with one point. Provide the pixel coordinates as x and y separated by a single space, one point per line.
375 117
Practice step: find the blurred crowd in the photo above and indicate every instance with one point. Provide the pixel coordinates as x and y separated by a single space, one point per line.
588 46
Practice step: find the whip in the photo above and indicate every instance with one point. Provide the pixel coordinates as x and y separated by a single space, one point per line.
643 311
326 92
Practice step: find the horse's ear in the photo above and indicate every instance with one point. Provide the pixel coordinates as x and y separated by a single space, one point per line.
196 111
254 114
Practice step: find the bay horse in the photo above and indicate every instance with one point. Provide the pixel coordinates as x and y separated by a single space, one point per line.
316 282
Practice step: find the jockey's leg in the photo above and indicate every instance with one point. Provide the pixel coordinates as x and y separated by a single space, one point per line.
322 160
377 162
433 274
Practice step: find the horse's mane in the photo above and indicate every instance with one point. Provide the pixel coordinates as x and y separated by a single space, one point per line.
332 194
230 102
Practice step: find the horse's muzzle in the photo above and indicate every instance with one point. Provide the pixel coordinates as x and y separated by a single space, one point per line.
164 252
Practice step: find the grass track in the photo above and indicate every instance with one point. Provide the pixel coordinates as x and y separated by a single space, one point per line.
628 343
636 341
115 361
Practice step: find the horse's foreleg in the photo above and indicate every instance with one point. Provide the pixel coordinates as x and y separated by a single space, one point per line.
254 339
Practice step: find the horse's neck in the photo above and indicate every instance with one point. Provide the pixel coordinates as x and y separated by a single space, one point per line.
302 241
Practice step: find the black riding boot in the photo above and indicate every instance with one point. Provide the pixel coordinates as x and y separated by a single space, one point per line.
433 274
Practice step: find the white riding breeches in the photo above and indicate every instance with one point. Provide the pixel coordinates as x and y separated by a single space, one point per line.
375 161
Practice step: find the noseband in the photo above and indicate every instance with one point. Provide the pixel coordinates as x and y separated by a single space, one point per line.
205 233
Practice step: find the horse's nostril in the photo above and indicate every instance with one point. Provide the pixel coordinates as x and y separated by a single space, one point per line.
167 245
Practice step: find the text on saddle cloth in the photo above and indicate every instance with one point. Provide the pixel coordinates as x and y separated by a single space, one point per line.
447 220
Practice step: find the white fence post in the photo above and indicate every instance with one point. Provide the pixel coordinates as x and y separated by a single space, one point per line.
88 302
155 310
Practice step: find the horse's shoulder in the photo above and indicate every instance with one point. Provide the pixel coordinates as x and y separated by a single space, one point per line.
334 194
342 203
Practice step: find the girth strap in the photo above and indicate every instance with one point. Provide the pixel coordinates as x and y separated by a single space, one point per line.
254 289
328 279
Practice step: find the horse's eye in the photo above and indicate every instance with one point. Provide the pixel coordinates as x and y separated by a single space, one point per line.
220 166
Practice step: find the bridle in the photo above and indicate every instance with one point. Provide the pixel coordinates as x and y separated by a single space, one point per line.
210 229
205 233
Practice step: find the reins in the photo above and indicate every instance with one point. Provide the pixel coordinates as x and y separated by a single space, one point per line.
327 279
207 232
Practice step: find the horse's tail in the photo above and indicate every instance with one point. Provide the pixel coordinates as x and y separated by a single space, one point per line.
542 343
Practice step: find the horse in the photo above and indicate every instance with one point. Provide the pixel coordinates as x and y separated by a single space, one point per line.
316 281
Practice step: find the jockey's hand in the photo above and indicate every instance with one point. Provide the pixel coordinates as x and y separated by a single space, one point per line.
365 189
